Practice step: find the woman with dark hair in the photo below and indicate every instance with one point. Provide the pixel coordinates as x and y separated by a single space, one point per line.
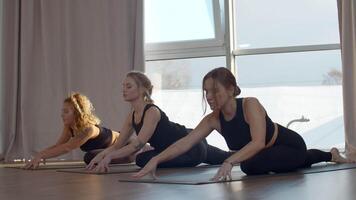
260 145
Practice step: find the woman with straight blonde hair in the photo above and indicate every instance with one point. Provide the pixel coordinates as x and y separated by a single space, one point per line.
152 126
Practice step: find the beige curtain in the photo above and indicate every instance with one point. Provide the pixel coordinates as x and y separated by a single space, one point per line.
54 47
347 24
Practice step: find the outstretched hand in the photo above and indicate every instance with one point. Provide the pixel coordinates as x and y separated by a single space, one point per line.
150 168
224 172
34 163
94 162
103 165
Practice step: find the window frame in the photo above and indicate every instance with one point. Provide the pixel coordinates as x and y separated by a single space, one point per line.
234 51
230 8
191 48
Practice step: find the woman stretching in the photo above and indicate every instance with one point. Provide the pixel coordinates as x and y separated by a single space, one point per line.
80 129
152 125
261 146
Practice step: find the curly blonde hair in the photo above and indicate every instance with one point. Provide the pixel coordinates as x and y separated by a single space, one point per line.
83 111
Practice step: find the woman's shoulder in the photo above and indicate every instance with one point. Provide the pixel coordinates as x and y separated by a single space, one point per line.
253 108
250 102
249 99
152 110
151 106
212 117
67 130
211 120
88 131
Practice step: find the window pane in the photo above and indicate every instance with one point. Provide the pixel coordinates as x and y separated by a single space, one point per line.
290 69
292 85
275 23
177 90
178 20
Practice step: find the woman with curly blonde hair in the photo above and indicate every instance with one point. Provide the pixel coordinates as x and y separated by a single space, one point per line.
80 129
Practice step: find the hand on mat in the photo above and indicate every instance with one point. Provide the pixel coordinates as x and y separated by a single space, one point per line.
103 165
94 162
34 163
224 172
150 168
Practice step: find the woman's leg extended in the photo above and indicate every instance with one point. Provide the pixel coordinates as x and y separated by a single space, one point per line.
316 156
216 156
191 158
91 154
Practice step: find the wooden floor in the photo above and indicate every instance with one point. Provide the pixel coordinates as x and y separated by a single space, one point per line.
49 184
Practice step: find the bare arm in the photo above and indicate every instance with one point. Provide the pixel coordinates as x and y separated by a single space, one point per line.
255 116
65 144
64 137
150 122
102 160
125 136
204 128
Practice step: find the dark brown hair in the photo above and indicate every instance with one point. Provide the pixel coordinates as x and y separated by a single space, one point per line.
225 78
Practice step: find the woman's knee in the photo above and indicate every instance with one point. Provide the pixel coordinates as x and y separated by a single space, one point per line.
249 167
143 158
88 157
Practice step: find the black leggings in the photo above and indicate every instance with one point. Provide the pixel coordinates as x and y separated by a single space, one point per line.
88 156
200 153
288 153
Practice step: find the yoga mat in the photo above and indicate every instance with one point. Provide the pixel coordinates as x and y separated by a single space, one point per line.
198 176
318 168
48 166
121 168
114 169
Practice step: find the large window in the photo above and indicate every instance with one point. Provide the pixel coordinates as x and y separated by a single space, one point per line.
292 85
183 28
184 40
280 23
178 23
177 89
287 55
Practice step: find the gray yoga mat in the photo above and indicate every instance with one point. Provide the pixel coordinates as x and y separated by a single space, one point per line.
120 168
200 176
51 166
114 169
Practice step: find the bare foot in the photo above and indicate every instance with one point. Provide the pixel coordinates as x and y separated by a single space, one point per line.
337 157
